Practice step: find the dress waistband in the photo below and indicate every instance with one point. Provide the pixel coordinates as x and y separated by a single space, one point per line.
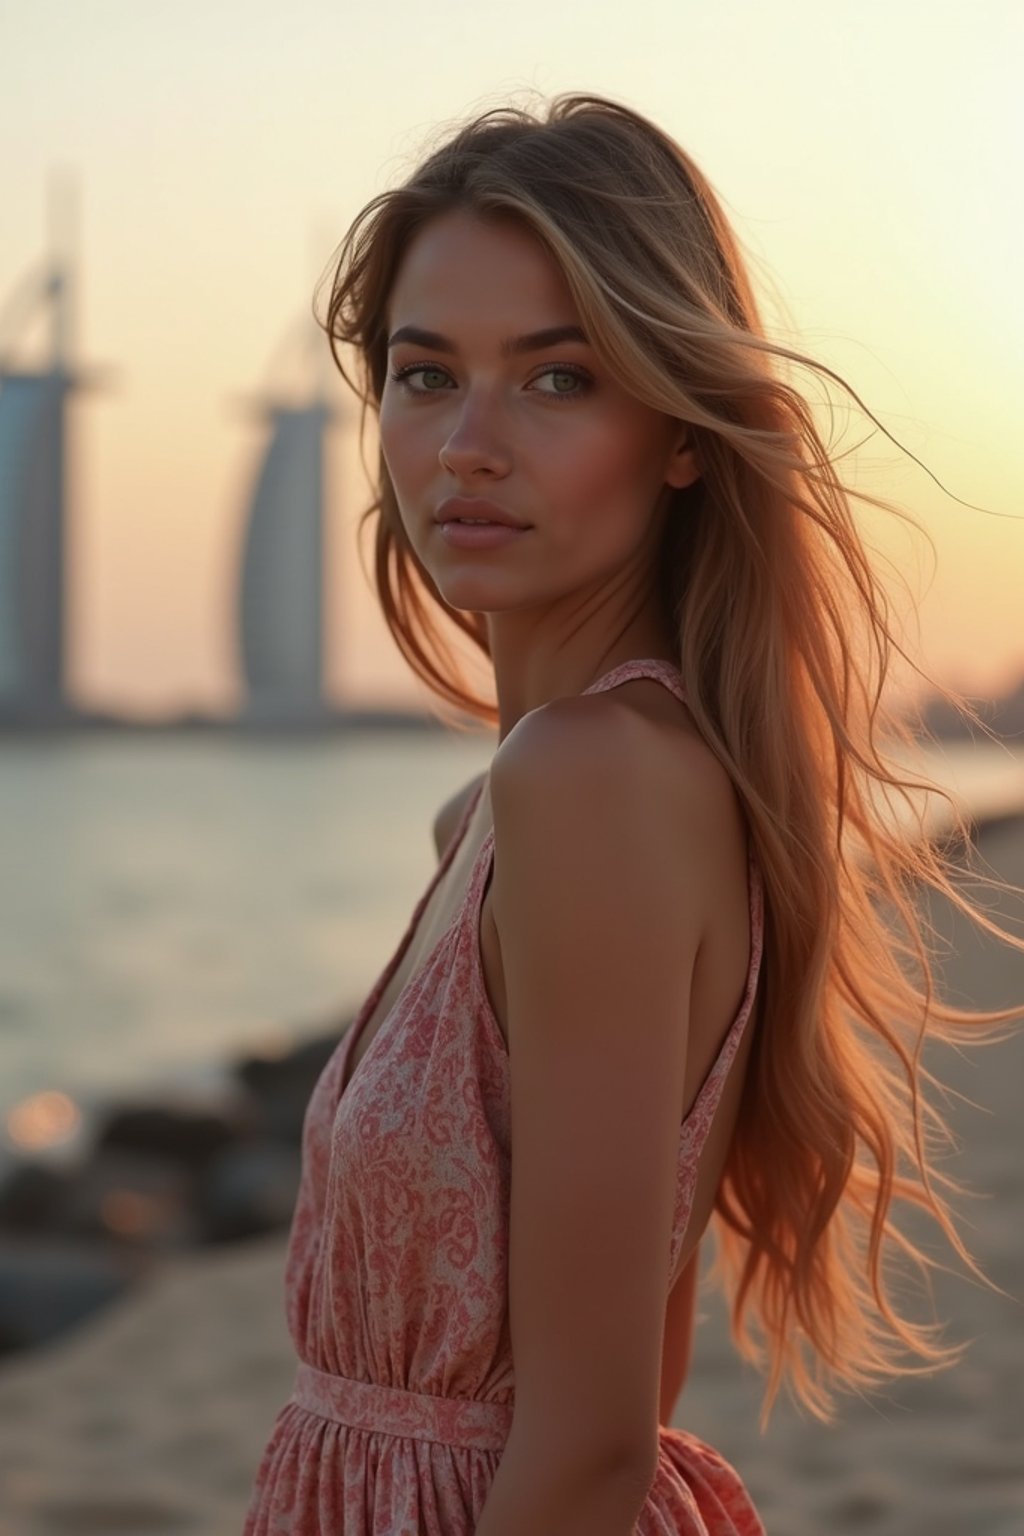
466 1421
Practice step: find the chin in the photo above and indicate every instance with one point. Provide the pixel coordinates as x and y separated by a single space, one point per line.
475 592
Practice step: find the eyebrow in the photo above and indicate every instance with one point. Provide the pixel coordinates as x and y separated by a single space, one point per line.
513 346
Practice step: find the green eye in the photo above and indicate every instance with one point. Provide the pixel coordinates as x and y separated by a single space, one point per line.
402 377
580 382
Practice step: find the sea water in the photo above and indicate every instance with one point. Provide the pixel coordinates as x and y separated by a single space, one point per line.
170 900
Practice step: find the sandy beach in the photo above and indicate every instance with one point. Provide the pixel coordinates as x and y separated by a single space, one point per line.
151 1418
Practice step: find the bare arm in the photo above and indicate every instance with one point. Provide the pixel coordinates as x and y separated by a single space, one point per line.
600 859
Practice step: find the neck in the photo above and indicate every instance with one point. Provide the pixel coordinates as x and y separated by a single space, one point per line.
530 675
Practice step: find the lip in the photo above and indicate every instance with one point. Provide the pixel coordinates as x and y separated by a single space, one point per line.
479 535
455 507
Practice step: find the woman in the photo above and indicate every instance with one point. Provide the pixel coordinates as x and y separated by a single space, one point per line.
649 985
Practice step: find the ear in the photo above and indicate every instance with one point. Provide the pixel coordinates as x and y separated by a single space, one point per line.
682 468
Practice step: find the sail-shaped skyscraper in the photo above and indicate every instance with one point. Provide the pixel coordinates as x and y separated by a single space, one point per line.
280 609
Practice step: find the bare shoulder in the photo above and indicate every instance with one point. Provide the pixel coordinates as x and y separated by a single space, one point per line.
448 817
597 773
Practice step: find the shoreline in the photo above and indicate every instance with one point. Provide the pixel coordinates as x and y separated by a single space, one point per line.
210 1161
151 1415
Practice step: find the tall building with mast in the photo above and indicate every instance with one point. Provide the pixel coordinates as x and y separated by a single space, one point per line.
33 486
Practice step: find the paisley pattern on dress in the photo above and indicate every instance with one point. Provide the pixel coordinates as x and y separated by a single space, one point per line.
396 1269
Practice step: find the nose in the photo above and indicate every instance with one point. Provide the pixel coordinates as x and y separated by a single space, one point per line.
476 443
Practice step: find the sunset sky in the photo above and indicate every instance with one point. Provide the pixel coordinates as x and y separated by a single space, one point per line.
870 157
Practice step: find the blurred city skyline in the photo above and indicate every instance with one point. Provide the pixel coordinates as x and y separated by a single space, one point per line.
220 152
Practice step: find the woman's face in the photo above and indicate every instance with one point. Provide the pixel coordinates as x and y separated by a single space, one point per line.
479 404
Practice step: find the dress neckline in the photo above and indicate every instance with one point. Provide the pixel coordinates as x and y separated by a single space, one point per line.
623 671
365 1013
627 671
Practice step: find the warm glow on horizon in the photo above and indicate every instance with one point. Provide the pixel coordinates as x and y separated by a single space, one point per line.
866 159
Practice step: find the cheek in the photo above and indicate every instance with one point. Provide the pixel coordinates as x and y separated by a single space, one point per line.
611 462
393 444
406 443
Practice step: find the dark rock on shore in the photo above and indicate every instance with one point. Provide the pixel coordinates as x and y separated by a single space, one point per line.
33 1198
135 1199
47 1288
156 1176
248 1190
180 1135
281 1086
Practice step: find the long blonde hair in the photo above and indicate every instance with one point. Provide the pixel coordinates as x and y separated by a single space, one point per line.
785 642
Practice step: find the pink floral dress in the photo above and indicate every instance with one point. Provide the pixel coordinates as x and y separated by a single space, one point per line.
396 1270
